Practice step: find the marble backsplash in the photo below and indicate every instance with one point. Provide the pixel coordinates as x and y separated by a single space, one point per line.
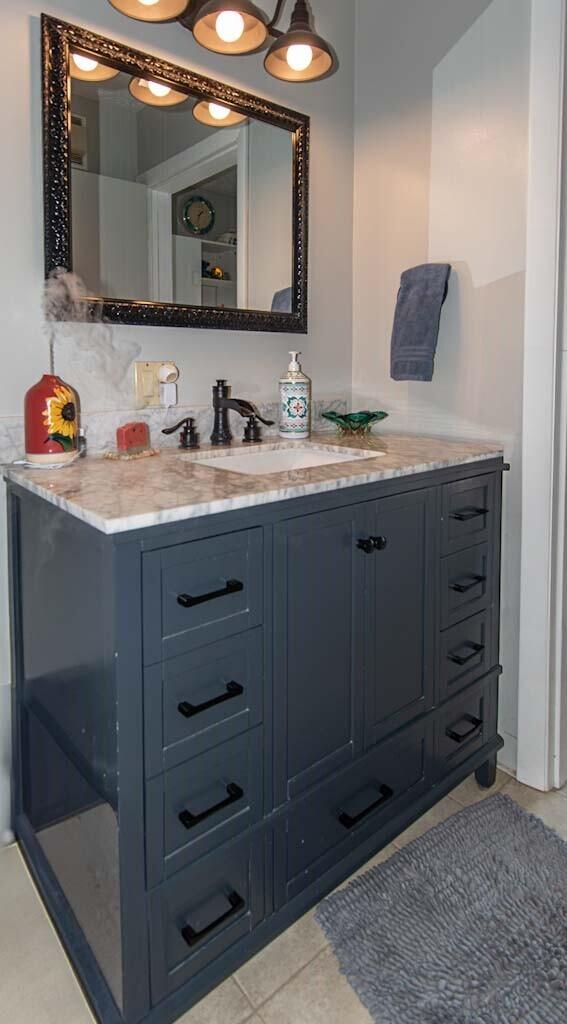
100 427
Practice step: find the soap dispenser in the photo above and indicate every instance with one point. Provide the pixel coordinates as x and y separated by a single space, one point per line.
295 401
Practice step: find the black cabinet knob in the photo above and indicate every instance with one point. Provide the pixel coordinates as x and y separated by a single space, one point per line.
379 543
371 544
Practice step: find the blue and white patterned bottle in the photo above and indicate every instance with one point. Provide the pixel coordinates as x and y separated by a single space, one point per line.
295 401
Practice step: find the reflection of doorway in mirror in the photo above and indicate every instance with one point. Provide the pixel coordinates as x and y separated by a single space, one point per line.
134 169
216 170
253 162
205 264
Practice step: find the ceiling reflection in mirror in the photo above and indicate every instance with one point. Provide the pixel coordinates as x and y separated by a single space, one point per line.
176 199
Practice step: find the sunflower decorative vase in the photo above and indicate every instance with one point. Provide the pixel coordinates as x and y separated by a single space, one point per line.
51 421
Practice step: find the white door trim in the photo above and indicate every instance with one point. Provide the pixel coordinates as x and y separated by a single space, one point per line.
539 684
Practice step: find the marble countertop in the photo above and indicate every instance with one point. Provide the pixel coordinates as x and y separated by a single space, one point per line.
118 496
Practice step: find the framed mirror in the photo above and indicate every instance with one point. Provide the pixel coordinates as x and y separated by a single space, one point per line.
178 201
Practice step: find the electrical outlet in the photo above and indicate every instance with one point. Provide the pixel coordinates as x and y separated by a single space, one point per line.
147 382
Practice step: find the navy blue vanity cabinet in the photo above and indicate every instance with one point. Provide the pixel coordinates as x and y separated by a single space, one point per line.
400 613
218 720
319 596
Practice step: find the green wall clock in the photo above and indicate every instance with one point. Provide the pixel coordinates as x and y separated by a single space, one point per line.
198 215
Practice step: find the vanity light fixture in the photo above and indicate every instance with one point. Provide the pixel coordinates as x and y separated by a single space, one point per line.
300 55
150 10
217 115
155 94
87 69
241 27
230 26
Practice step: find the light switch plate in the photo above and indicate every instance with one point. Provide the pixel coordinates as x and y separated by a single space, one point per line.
146 382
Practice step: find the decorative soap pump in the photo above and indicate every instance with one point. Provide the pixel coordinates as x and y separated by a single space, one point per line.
295 401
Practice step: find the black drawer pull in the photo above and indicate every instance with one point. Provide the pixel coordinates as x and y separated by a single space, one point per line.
371 544
385 794
188 710
192 937
459 659
234 793
464 515
232 587
460 737
463 588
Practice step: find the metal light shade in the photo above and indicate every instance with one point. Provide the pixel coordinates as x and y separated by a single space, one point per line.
160 10
140 90
300 33
102 73
202 113
255 27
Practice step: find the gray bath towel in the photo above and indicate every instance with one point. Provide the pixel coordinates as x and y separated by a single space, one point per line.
281 302
423 291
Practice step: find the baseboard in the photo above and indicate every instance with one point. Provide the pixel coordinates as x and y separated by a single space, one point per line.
508 756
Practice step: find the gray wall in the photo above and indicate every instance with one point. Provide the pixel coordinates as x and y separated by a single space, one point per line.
112 135
441 175
163 134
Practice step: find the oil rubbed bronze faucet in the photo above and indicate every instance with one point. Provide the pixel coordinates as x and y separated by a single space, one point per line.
222 403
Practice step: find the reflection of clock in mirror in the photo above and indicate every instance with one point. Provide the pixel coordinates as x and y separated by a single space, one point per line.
198 215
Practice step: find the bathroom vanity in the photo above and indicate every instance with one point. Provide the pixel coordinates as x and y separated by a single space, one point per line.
233 689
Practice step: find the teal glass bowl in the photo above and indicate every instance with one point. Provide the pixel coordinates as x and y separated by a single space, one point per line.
355 422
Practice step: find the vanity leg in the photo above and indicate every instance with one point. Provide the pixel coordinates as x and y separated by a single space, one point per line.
486 774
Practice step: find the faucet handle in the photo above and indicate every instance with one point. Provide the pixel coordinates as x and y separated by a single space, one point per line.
252 431
267 423
188 438
250 410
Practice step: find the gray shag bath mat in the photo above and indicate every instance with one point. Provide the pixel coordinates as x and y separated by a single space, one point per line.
467 925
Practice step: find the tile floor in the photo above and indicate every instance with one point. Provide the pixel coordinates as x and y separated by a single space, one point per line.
295 980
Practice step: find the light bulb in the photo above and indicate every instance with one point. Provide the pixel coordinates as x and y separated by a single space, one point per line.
229 26
159 90
84 63
219 113
299 56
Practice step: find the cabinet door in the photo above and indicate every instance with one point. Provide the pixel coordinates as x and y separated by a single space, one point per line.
400 612
318 616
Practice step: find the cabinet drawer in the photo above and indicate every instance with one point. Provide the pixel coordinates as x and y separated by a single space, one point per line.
466 724
466 653
200 592
466 583
192 809
196 701
469 512
201 912
355 803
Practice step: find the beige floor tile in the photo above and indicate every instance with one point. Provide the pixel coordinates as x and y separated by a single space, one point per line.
563 792
443 810
379 858
37 983
284 957
469 792
226 1004
550 807
318 995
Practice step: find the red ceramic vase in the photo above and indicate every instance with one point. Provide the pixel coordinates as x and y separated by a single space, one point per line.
51 421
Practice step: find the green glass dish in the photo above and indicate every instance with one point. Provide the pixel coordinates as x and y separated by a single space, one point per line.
355 422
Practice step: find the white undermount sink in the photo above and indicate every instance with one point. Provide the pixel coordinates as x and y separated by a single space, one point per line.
284 458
